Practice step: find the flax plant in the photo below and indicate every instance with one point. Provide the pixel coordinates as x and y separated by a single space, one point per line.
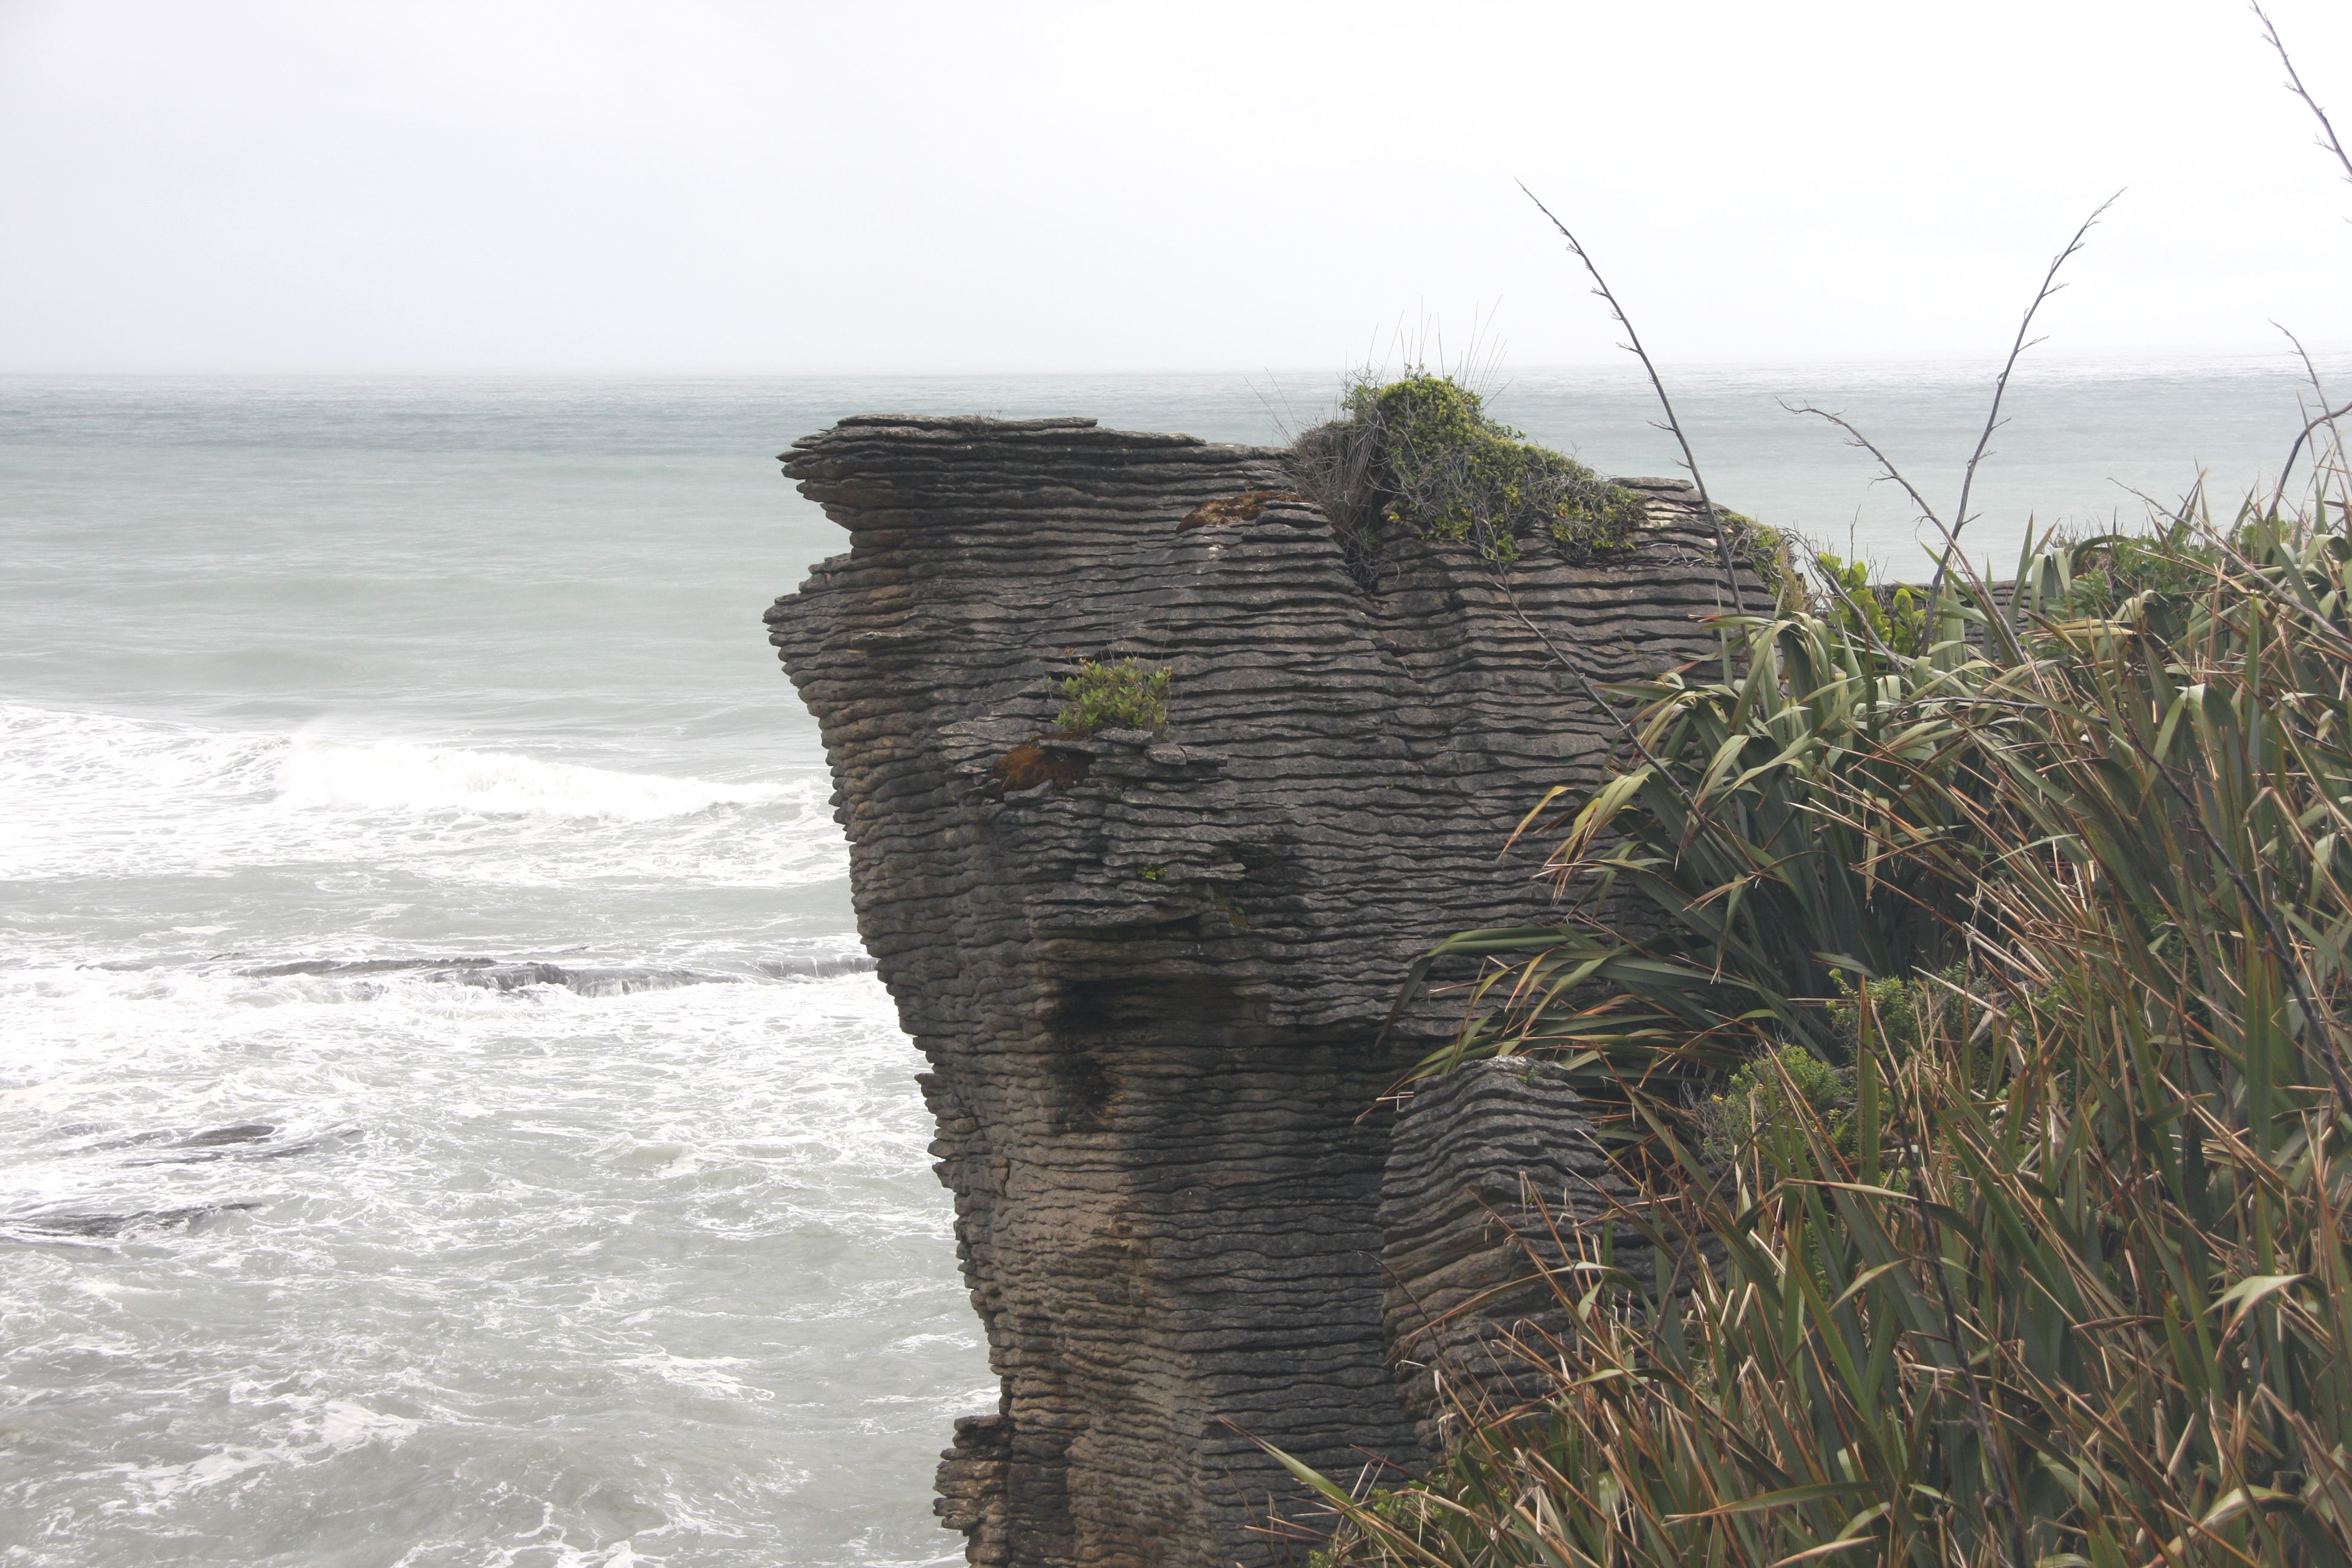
2069 1281
1760 844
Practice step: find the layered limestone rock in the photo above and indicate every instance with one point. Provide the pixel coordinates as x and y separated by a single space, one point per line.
1149 970
1496 1202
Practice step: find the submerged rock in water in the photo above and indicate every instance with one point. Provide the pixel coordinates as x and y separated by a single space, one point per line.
1150 969
245 1141
816 965
498 975
243 1132
110 1227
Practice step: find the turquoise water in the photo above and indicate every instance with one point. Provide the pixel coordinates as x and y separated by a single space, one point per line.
443 1116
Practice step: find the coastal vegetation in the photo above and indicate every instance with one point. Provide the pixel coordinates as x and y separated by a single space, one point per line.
1113 694
1421 455
2018 966
1961 977
1098 695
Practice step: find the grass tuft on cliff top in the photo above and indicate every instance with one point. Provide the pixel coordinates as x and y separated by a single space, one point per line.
1421 455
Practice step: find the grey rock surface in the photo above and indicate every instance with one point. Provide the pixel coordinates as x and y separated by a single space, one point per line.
1496 1199
1149 987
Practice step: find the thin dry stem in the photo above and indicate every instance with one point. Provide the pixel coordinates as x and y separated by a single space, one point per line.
2327 416
2050 284
2326 138
1633 345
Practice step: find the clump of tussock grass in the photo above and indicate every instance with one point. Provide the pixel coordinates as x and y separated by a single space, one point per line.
1419 455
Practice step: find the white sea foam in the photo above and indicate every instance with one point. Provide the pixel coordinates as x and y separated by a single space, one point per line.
319 774
594 1279
313 1430
86 793
118 1087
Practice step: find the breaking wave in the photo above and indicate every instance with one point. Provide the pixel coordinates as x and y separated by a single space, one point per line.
395 776
84 794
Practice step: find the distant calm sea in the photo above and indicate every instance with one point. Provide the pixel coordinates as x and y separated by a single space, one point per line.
443 1117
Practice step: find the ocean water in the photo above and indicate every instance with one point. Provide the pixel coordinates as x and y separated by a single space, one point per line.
444 1115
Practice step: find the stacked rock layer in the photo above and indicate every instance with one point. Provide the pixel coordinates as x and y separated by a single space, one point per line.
1150 971
1495 1206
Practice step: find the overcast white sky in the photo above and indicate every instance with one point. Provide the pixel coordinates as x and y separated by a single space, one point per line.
682 186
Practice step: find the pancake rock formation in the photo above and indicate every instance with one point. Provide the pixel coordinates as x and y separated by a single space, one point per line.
1149 970
1491 1174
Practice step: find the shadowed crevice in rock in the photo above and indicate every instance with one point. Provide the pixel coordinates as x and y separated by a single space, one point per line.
1150 986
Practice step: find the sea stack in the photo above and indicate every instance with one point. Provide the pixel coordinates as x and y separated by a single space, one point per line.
1153 971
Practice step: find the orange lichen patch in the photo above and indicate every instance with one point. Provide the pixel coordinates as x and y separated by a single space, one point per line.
1243 508
1037 762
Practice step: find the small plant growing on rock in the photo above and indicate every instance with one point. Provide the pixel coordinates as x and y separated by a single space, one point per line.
1766 551
1114 696
1420 453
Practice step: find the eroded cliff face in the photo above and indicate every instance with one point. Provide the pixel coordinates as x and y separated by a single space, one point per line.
1494 1190
1148 970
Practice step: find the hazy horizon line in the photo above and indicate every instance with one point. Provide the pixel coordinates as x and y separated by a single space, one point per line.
1487 369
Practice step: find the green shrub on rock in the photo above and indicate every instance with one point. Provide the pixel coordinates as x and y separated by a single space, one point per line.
1114 696
1767 551
1422 455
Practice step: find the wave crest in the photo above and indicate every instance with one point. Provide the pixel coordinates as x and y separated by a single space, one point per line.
85 794
396 777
